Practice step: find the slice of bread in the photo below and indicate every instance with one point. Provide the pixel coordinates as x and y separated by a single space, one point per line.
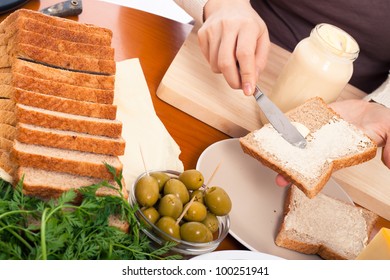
332 144
23 19
49 184
63 160
36 135
58 59
36 70
331 228
62 121
57 45
60 104
61 89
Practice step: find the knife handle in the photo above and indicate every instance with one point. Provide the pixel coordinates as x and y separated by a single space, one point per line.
64 9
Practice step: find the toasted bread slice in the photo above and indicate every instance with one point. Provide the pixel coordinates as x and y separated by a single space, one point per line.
325 226
332 144
36 135
63 160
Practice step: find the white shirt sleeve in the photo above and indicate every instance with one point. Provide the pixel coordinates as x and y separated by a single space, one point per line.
193 7
382 94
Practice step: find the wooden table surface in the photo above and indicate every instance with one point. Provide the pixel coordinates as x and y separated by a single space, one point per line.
155 41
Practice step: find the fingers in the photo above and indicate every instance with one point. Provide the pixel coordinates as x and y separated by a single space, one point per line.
224 43
386 153
281 181
218 45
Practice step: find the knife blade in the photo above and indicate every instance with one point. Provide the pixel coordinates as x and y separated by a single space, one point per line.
279 120
64 9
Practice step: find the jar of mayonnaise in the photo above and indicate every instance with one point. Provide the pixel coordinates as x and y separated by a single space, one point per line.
320 65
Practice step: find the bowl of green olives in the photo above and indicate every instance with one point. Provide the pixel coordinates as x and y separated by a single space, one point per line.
178 207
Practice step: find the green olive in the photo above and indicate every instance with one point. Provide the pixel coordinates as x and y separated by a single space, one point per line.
192 178
169 226
196 212
161 177
217 201
176 187
151 214
198 196
195 232
170 205
211 222
147 191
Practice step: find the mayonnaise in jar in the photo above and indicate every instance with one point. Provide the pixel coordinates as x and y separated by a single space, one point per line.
320 65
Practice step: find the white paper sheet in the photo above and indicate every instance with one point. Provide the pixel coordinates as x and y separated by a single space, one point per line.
141 126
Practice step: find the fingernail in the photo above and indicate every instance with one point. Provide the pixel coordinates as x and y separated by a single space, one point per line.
247 88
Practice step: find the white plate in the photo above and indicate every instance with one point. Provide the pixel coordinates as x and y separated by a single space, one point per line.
257 201
236 255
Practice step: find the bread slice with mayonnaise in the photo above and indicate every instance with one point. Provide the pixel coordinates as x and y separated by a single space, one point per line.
323 225
332 144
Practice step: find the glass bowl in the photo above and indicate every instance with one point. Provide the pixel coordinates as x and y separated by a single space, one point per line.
182 247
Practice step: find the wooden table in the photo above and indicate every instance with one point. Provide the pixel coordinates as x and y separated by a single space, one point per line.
155 41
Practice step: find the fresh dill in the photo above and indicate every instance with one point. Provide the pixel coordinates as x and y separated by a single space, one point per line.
35 229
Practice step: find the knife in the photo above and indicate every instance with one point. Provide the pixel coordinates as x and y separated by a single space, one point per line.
279 120
64 9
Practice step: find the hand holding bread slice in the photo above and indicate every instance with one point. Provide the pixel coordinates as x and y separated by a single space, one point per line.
333 144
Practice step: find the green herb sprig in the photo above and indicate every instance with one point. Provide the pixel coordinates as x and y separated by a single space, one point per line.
32 229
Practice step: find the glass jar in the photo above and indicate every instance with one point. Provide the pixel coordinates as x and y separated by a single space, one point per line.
320 65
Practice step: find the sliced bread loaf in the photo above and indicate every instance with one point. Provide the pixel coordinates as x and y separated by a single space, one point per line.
31 134
59 104
332 144
62 121
63 160
325 226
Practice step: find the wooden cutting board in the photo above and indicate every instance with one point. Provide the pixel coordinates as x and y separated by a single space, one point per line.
191 86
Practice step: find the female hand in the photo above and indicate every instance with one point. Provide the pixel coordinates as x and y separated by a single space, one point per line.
234 33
